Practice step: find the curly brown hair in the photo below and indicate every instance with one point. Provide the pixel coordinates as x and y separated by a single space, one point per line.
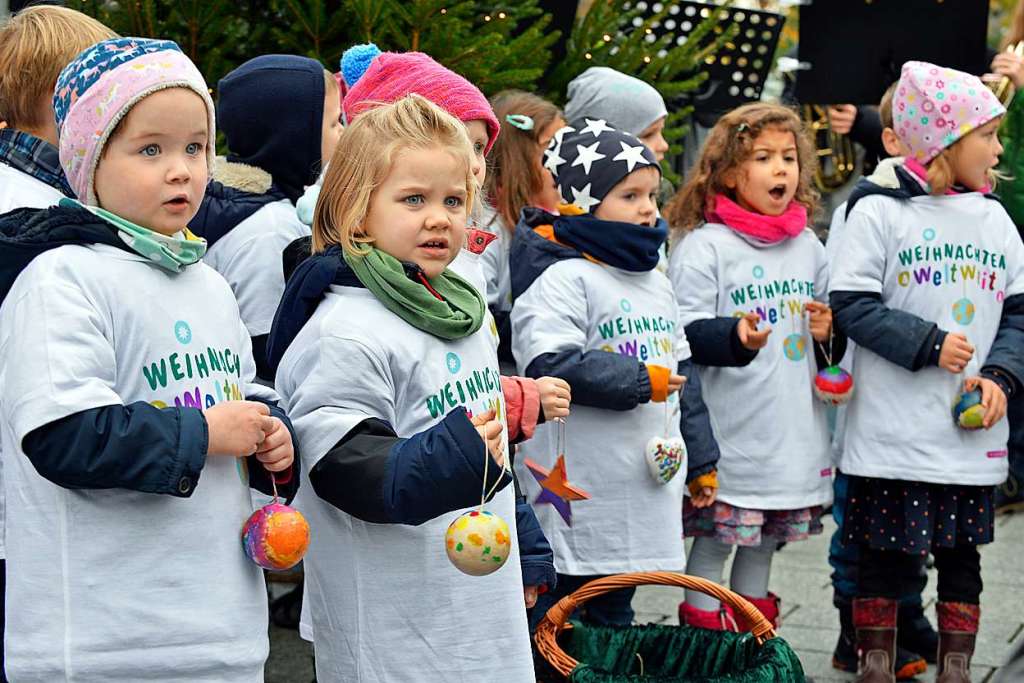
515 174
729 144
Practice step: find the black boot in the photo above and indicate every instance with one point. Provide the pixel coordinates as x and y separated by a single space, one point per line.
915 632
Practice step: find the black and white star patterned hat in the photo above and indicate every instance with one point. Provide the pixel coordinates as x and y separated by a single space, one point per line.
589 157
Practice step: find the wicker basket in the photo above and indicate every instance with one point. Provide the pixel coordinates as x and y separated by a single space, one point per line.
555 621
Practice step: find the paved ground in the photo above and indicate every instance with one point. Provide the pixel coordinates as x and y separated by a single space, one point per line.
801 576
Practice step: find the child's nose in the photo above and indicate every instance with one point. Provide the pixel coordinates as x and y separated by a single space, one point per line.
437 218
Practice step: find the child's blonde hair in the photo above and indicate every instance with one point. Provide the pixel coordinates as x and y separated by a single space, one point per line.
363 159
942 174
729 144
516 175
35 44
885 106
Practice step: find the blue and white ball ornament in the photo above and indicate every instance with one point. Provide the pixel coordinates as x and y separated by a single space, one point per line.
968 413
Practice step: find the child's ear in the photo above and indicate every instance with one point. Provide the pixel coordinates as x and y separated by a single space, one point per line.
729 178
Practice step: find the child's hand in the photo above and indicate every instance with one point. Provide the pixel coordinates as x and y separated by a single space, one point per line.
993 400
490 431
277 451
956 352
555 397
819 320
675 383
704 497
752 338
530 594
237 428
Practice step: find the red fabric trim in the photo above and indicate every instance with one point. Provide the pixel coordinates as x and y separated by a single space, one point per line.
514 402
961 617
531 406
874 613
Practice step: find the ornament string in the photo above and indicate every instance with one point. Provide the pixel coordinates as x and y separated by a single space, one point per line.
831 338
486 495
273 486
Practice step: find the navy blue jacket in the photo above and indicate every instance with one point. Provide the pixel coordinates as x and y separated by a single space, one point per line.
135 446
912 342
598 378
374 475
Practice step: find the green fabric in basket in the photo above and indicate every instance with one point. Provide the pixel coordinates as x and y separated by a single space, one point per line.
675 654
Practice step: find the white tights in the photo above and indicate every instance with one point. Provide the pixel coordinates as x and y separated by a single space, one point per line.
750 569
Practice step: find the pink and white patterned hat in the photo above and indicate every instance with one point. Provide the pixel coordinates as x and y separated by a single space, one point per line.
98 89
934 107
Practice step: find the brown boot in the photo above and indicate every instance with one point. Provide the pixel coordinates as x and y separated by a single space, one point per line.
875 621
958 628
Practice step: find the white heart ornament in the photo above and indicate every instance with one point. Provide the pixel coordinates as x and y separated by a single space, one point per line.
665 457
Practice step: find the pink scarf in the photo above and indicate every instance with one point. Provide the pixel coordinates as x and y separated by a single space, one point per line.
921 172
769 229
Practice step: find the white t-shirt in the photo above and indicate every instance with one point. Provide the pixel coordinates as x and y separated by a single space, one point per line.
249 258
631 523
495 264
111 584
384 601
950 260
839 431
772 431
18 191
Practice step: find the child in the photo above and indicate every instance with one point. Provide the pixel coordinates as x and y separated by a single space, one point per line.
518 179
625 102
374 78
749 264
35 44
281 116
590 307
920 342
918 641
121 352
382 350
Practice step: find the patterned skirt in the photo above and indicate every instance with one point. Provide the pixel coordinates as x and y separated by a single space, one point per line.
744 526
915 516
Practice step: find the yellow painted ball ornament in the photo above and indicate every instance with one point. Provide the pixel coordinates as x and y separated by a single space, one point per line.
478 542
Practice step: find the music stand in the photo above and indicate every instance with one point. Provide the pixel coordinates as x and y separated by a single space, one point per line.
736 74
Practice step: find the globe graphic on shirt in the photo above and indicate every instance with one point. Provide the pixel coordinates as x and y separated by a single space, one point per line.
963 311
794 347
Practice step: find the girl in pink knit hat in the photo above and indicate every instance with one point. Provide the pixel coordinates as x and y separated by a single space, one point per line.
375 78
929 281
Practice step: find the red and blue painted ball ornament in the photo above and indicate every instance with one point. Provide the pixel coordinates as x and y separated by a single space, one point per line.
276 536
478 542
968 413
833 385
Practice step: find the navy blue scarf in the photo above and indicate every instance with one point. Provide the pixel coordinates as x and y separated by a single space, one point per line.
628 246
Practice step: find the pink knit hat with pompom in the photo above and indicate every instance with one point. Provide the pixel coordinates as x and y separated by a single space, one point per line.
933 107
393 75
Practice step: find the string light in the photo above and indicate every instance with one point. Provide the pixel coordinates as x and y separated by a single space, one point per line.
444 10
588 55
501 15
607 38
647 59
487 17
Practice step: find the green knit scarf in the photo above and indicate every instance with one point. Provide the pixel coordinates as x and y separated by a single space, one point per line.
459 315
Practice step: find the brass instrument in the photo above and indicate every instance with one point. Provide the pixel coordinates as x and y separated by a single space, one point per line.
837 159
1004 87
